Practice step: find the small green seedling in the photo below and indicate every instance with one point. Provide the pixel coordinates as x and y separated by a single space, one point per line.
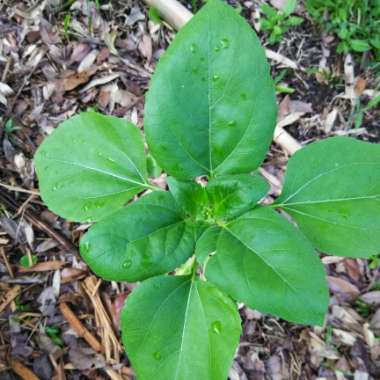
208 243
277 22
356 23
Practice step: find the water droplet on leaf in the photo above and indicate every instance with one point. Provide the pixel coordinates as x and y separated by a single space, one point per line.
127 263
225 43
215 77
157 355
193 48
231 123
216 327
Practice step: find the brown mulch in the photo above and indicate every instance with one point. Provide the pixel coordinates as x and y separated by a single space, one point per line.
57 320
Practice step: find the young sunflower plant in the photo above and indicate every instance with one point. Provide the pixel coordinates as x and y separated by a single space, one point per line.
198 249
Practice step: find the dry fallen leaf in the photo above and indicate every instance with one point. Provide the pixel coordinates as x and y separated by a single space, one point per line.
342 288
74 80
360 86
371 298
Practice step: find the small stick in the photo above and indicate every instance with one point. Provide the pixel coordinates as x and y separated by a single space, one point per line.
38 223
9 268
43 267
172 11
177 16
18 189
24 372
10 296
79 328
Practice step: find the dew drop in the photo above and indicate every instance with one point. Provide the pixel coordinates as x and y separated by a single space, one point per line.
55 187
110 159
216 327
127 263
244 96
225 43
193 48
182 86
231 123
157 355
215 77
216 48
86 207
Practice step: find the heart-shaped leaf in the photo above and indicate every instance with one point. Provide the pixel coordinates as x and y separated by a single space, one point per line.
90 166
332 190
180 328
264 261
211 106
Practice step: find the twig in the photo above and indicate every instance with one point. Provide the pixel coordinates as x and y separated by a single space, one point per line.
109 340
79 328
9 268
18 189
43 267
36 222
24 372
10 296
172 11
177 16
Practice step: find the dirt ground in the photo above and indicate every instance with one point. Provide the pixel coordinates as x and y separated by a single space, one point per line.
57 58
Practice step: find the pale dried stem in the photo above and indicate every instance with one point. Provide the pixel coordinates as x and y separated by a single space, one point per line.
112 347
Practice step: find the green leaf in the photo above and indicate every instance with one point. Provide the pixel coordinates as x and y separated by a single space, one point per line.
264 261
332 190
211 106
189 195
360 45
90 166
179 328
27 262
206 244
294 21
235 194
154 15
147 238
268 10
153 168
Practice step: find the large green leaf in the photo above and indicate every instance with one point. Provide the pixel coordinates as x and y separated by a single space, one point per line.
206 244
90 166
147 238
211 106
176 328
264 261
232 195
332 190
